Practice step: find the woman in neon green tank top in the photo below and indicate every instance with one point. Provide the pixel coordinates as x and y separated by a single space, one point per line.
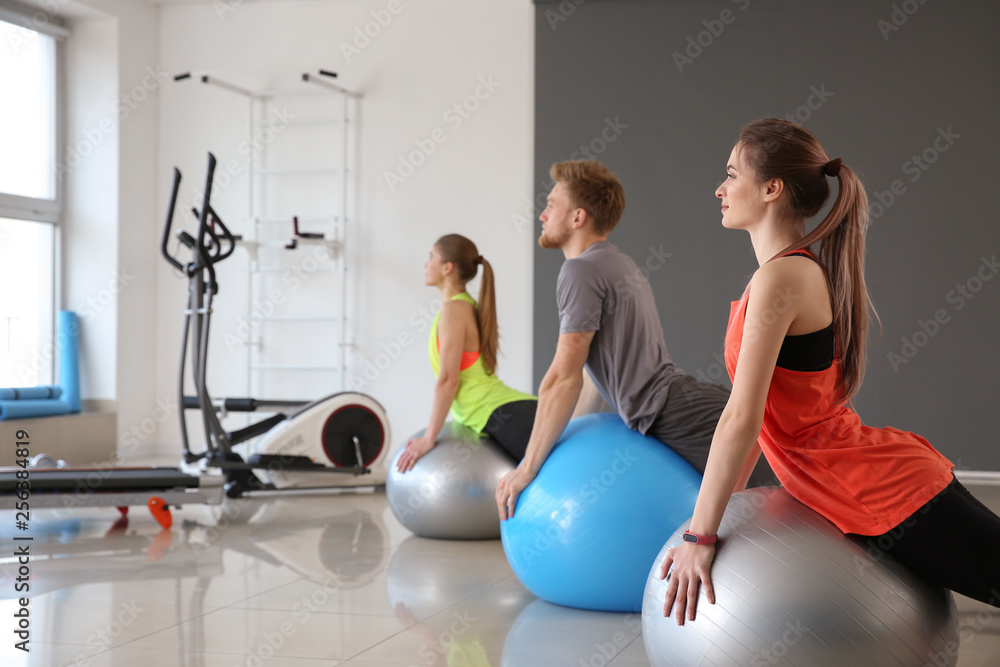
463 350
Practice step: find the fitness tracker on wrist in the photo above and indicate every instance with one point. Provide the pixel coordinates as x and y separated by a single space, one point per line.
699 539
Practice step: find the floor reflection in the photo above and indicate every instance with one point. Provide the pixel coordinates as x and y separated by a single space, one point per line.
303 582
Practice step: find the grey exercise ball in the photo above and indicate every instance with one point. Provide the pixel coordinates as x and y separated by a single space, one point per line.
450 493
792 590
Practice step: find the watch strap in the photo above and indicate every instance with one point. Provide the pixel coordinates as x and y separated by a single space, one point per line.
699 539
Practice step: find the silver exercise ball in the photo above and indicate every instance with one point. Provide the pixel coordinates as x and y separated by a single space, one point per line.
792 590
450 493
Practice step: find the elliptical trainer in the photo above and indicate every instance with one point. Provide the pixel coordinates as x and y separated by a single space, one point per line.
344 433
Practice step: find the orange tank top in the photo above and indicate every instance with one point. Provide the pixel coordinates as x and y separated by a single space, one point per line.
468 358
865 480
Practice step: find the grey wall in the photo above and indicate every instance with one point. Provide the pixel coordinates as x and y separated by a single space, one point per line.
885 96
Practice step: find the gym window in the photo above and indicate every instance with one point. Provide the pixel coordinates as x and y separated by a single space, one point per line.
30 202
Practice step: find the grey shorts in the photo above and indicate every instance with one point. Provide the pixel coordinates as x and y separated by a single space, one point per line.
687 424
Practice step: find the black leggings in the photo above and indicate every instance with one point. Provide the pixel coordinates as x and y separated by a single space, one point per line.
953 541
510 425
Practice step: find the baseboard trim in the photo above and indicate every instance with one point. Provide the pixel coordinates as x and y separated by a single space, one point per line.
978 476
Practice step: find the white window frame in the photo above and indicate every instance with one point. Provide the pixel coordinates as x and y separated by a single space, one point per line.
32 208
40 210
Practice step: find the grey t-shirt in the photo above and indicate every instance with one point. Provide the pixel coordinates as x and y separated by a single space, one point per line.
604 291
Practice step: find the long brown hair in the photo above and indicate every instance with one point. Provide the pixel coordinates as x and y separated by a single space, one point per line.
780 149
462 252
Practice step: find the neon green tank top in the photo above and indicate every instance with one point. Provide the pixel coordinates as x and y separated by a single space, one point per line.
479 393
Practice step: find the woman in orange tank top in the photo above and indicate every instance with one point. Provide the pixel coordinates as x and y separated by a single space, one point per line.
795 350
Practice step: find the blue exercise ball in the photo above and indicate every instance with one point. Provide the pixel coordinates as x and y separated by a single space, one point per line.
586 529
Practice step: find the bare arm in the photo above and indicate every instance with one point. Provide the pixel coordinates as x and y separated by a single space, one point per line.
734 447
451 336
557 396
590 401
744 477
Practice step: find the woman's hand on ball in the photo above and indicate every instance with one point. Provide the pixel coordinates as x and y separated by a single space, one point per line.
692 566
415 448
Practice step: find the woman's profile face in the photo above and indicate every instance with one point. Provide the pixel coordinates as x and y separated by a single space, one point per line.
740 193
434 267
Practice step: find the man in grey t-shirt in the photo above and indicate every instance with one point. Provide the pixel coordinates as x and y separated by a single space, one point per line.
609 324
603 291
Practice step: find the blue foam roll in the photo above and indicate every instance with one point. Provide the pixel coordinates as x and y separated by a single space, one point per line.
32 408
68 346
30 393
68 352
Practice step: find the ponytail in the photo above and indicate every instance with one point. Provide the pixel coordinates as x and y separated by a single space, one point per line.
841 238
462 252
489 332
780 149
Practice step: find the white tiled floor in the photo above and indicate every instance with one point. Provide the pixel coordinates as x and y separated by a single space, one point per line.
307 581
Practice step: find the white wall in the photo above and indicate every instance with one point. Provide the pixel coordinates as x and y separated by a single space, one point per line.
426 57
111 210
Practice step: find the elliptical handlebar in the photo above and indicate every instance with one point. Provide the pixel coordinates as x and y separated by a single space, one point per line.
206 251
206 258
170 219
215 251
